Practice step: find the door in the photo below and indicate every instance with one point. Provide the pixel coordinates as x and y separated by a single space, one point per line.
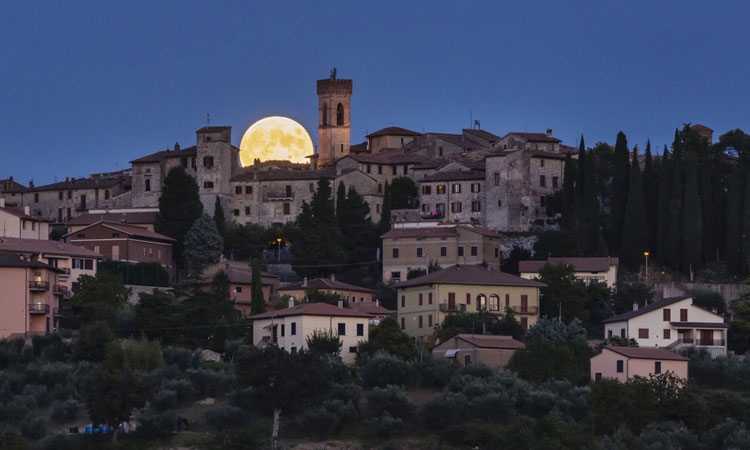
115 253
451 301
707 337
83 202
467 360
524 303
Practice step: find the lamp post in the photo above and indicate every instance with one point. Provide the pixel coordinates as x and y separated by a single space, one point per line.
278 253
646 255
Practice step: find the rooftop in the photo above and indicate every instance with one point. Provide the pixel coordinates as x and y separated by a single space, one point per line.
139 218
45 247
482 134
130 230
392 131
454 175
20 212
491 341
312 309
578 264
648 308
238 272
533 137
473 274
371 308
647 353
13 259
164 154
445 231
323 283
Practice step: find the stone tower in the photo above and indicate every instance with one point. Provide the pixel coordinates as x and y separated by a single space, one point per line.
216 160
334 127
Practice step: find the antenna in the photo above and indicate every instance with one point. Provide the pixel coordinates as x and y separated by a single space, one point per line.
208 119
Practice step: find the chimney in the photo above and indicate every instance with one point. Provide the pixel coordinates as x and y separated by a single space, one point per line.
333 276
291 302
27 210
2 203
304 282
341 304
177 146
377 302
31 183
635 306
549 132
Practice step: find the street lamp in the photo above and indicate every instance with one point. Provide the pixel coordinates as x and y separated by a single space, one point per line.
646 255
278 254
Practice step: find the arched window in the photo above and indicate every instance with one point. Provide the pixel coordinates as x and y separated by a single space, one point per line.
325 114
481 302
340 114
494 303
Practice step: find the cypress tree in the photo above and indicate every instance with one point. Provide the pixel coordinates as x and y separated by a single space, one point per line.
221 224
385 212
733 237
179 206
635 229
651 197
590 218
746 229
692 218
662 226
258 303
203 244
581 169
568 193
706 192
674 241
341 205
620 166
361 240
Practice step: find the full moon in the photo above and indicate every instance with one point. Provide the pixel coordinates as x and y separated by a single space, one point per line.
275 138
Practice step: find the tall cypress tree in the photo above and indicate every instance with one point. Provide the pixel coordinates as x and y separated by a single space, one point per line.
733 237
356 226
258 303
699 145
651 197
221 223
692 217
620 166
674 241
179 206
568 193
635 229
589 224
341 205
746 229
581 169
385 212
665 191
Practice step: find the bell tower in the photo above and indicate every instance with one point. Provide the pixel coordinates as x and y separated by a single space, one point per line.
334 127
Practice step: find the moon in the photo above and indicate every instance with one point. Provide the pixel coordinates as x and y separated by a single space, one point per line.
275 138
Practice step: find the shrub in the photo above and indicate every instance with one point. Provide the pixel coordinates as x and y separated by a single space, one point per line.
164 400
384 369
135 356
39 392
40 341
62 391
242 398
10 438
436 371
48 374
182 388
345 411
386 425
183 357
220 417
728 434
209 382
32 429
232 348
476 371
442 411
318 423
56 442
64 411
475 435
391 399
156 425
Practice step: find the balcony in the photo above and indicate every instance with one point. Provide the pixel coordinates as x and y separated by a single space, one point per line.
62 311
433 214
39 286
278 197
61 290
65 272
38 308
530 310
445 307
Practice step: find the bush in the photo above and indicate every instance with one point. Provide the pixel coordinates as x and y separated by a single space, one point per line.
39 392
182 388
318 423
64 411
242 398
220 417
32 429
391 399
209 382
442 411
157 425
56 442
475 435
384 369
387 425
164 400
726 435
345 411
10 438
182 357
476 371
436 371
48 374
135 356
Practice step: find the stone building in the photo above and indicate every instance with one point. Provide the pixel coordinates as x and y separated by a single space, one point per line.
334 119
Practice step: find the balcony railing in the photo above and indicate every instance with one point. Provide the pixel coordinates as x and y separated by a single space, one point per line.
62 311
38 285
444 307
61 289
433 214
65 272
38 308
279 197
527 310
710 342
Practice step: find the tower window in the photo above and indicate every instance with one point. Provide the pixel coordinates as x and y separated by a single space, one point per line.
340 114
208 161
325 114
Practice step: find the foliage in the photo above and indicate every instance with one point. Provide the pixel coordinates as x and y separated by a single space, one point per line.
10 439
387 336
443 410
384 369
64 411
629 293
164 400
182 357
98 297
141 273
179 206
220 417
203 244
219 218
509 263
92 342
541 361
720 372
134 355
157 313
318 296
324 342
435 371
389 399
353 216
258 305
635 228
739 333
386 425
710 300
563 292
692 221
110 397
317 423
207 382
403 193
33 428
480 322
243 242
621 169
553 331
154 425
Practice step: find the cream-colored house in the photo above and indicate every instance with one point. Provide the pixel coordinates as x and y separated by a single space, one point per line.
240 275
424 302
349 292
624 363
19 223
289 328
490 350
673 323
601 270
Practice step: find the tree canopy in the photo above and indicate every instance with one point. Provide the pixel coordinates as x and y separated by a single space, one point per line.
179 206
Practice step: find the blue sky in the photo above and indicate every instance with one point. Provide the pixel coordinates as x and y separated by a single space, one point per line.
88 86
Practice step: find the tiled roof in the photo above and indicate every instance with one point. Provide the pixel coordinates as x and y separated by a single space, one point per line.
578 264
371 308
239 272
700 127
459 274
20 212
13 259
390 156
647 353
164 154
482 231
491 341
324 283
130 230
283 174
358 148
213 129
45 247
543 154
81 183
533 137
148 217
312 309
648 308
454 175
420 232
392 131
482 134
699 324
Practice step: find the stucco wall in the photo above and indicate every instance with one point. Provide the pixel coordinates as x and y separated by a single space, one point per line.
606 364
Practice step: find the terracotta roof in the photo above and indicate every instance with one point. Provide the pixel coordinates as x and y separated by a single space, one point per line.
371 308
312 309
148 217
482 231
323 283
699 324
454 175
533 137
392 131
648 308
700 127
81 183
390 156
130 230
457 140
543 154
578 264
420 232
283 174
164 154
647 353
358 148
20 212
482 134
474 274
13 259
239 272
45 247
213 129
491 341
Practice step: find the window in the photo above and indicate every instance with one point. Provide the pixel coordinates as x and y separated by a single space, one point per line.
542 181
248 189
420 321
238 289
429 320
542 201
360 329
312 187
420 299
377 208
36 198
394 169
287 209
481 302
619 366
88 264
507 300
496 179
598 376
541 163
622 333
440 189
406 169
609 334
524 303
497 252
293 331
456 207
79 235
476 206
184 162
657 367
369 167
499 203
340 114
429 298
642 333
667 333
667 314
70 193
440 151
555 182
238 190
115 235
353 349
236 212
683 315
443 251
380 169
395 253
342 329
60 195
456 188
494 303
476 187
77 263
380 188
208 184
460 251
427 190
419 252
403 301
473 250
247 210
403 324
288 190
68 211
396 275
146 188
208 161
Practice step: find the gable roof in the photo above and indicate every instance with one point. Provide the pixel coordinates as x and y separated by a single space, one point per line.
130 230
164 154
324 283
647 353
93 182
454 175
371 308
420 232
482 134
45 247
21 213
311 309
13 259
533 137
491 341
648 308
392 131
143 217
469 274
578 264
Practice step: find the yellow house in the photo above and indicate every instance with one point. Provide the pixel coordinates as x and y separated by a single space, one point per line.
424 302
590 270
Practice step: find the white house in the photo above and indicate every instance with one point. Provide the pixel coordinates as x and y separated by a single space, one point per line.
602 270
289 328
673 323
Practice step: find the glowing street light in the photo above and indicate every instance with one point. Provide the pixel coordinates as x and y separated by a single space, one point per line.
278 253
646 255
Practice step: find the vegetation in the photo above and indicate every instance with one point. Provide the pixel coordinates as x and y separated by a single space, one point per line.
203 244
179 206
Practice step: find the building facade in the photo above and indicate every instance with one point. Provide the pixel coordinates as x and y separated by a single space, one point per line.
465 349
624 363
590 270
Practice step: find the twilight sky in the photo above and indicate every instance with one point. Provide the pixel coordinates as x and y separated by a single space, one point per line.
87 86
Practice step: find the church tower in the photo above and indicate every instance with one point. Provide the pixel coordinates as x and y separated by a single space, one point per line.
334 127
